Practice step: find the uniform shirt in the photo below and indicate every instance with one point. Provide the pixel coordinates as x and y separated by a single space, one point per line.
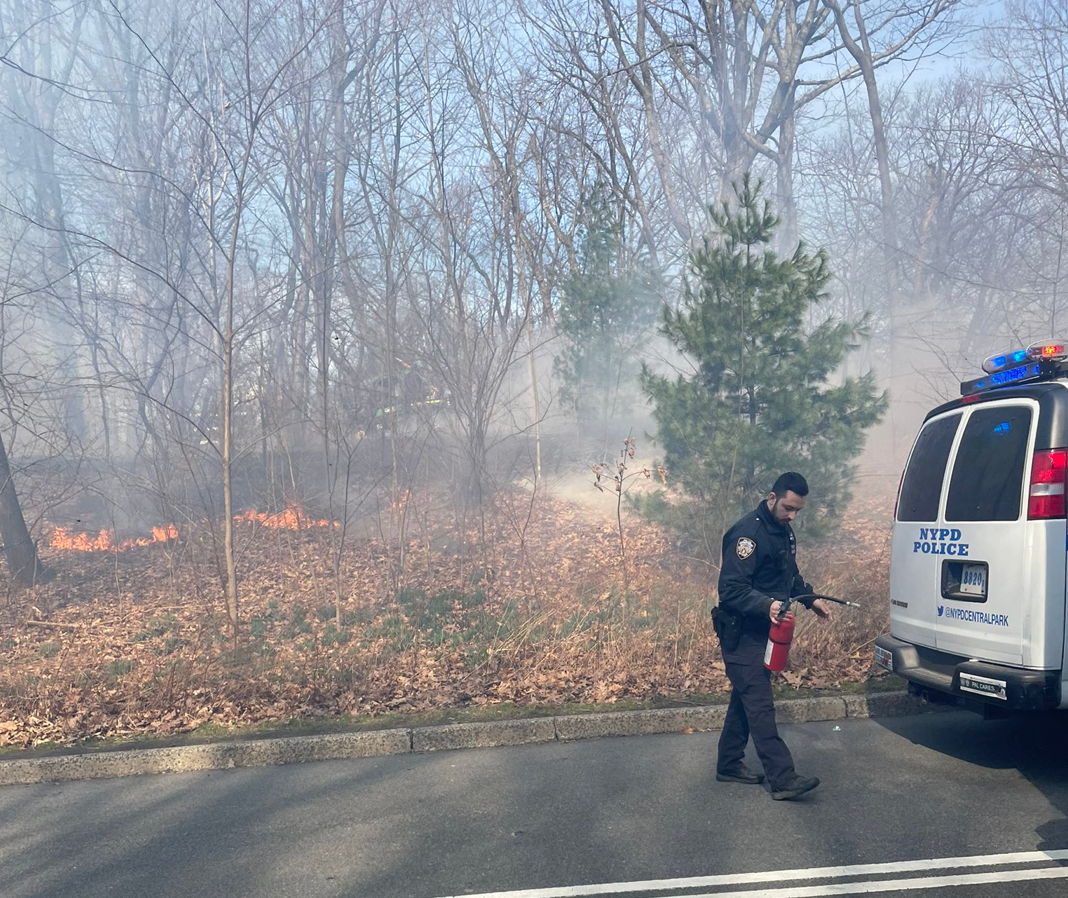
759 567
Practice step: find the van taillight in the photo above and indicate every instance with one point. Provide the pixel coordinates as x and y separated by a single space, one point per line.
1047 499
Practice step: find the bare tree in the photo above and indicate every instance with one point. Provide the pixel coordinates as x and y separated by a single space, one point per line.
874 34
19 548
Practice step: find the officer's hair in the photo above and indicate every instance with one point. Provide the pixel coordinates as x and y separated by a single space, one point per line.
791 481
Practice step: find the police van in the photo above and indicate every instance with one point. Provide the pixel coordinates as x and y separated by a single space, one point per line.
980 543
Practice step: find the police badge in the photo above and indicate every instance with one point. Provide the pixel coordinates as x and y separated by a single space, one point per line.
745 547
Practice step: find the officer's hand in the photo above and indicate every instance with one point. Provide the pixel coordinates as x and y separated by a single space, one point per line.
776 609
822 609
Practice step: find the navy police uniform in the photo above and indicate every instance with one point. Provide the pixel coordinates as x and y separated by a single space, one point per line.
759 567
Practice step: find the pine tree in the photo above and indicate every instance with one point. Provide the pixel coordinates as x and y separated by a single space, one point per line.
759 400
608 309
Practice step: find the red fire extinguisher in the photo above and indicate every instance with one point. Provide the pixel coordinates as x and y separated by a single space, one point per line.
779 639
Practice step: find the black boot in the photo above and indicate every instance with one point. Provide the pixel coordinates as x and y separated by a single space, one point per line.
740 774
792 788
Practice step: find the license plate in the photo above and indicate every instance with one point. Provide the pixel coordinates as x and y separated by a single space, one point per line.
884 659
984 686
973 580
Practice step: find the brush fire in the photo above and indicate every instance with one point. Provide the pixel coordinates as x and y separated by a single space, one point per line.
65 538
293 518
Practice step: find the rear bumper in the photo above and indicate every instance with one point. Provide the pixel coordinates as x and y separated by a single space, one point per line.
990 685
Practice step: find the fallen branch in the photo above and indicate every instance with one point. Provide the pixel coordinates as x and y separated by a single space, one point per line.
57 626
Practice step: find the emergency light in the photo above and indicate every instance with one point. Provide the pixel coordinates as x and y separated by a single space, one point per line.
1004 360
1017 365
1048 351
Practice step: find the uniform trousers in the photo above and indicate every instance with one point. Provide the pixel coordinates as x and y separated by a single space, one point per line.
751 712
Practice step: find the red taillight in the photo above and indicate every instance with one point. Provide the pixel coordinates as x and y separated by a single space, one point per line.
1048 474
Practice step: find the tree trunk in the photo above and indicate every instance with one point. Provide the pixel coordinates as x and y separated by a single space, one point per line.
227 473
21 553
860 50
786 202
228 400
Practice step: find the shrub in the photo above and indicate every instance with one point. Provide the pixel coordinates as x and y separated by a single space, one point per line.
117 669
334 636
50 649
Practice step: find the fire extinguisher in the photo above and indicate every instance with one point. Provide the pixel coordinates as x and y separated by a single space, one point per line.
779 639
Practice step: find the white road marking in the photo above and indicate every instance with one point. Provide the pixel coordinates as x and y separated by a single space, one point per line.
897 885
738 879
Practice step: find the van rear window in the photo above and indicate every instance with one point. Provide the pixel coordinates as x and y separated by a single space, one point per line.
922 487
987 481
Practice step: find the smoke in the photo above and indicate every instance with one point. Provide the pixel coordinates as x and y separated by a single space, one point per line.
360 285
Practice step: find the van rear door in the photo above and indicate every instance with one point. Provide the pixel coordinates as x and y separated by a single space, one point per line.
914 573
997 571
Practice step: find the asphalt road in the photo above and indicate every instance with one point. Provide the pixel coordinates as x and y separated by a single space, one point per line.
926 806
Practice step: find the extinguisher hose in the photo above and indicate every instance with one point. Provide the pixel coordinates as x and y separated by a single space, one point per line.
813 595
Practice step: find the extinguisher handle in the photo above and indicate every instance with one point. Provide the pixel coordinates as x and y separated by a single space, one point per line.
784 609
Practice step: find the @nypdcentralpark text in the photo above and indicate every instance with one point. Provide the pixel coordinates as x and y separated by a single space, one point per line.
973 616
940 541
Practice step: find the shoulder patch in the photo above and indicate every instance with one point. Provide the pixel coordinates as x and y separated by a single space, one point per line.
745 547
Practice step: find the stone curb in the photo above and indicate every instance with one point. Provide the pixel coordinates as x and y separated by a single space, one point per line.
640 723
301 749
483 735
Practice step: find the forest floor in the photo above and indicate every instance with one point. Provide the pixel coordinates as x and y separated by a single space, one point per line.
526 608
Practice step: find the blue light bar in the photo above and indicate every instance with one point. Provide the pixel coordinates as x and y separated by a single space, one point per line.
1004 360
1002 378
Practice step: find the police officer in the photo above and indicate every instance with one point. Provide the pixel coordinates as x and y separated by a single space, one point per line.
759 571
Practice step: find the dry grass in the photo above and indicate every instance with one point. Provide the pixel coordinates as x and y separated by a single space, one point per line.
136 642
854 564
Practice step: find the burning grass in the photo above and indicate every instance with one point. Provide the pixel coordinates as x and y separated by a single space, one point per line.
135 642
67 539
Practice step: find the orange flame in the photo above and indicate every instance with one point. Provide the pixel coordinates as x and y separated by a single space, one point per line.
293 518
65 538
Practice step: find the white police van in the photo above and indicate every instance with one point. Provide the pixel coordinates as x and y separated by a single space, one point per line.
980 545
